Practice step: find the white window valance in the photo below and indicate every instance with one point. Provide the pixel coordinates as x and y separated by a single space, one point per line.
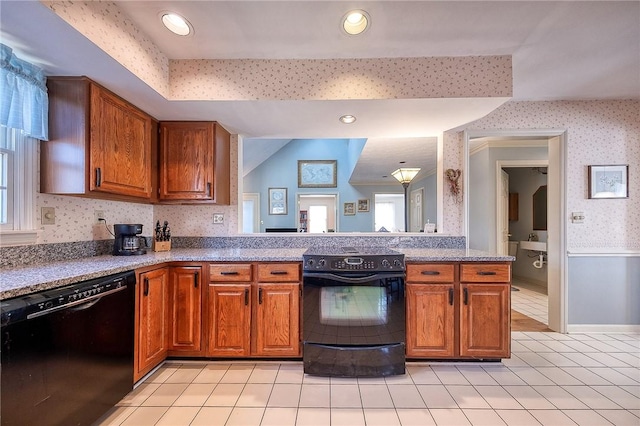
24 103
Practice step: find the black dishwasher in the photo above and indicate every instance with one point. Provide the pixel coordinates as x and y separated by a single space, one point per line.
67 353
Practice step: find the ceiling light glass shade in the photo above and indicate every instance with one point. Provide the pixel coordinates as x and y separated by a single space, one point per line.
355 22
176 24
405 175
348 119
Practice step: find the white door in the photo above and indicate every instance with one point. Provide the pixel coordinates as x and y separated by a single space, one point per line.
503 215
416 218
250 213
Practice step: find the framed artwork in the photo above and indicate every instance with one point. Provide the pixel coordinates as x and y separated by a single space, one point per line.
349 209
277 200
609 181
363 205
317 173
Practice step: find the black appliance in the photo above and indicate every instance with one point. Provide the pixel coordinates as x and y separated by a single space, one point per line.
353 312
127 241
67 353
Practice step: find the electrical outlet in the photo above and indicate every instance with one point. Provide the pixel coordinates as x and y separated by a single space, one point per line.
48 216
98 216
218 218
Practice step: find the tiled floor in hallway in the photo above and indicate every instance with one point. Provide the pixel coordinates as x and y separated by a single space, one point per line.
551 379
530 300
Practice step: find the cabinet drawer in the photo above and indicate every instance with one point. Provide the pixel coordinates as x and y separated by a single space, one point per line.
279 272
231 272
485 273
430 273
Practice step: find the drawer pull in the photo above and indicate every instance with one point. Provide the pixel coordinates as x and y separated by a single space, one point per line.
229 273
487 273
430 272
278 272
246 297
451 296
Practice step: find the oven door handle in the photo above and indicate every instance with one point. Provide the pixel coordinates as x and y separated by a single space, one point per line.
353 280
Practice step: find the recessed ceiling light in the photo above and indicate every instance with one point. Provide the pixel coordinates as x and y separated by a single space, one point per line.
348 119
355 22
176 23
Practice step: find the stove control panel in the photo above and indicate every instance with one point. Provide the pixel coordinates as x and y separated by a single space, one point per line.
353 263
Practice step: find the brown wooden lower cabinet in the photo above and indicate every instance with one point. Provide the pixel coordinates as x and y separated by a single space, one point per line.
250 316
185 302
458 311
151 320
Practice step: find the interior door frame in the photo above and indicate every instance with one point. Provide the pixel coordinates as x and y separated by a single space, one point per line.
557 224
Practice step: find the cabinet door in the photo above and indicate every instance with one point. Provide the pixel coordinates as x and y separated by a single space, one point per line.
229 320
120 158
186 308
485 320
430 320
277 323
186 160
152 320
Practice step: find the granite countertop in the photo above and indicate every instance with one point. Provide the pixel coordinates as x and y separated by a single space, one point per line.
29 279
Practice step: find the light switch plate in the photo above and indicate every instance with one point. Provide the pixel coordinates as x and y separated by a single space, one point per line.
48 216
577 217
218 218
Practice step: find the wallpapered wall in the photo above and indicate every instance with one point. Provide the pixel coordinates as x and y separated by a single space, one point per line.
598 132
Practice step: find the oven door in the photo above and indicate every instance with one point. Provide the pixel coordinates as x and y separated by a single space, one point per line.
354 324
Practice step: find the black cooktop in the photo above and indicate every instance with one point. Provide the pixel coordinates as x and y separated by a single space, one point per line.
345 259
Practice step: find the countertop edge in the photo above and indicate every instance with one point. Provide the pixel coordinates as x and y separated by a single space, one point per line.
15 282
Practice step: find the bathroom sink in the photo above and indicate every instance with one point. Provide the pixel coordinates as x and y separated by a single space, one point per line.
533 245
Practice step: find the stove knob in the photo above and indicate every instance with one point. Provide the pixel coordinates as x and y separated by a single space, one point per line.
310 262
385 263
322 262
397 263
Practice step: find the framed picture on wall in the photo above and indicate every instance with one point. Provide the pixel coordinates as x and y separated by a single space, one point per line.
609 181
363 205
277 200
349 208
317 173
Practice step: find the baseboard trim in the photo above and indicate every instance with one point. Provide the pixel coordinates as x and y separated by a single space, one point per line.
603 328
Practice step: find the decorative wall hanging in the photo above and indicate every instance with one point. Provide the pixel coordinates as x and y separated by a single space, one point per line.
453 178
317 173
363 205
609 181
277 200
349 208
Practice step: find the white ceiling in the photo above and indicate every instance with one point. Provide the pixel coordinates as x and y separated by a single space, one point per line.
561 50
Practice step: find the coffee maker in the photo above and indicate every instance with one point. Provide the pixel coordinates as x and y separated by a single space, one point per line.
127 240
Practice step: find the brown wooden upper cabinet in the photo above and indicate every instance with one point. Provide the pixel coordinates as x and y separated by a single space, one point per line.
100 145
194 162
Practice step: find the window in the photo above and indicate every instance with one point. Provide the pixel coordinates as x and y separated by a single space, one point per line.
17 187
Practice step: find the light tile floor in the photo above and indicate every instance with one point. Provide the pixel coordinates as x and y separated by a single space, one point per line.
530 300
551 379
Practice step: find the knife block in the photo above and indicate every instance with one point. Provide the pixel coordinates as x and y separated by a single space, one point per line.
161 245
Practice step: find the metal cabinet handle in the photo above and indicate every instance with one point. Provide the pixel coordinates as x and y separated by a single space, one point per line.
451 296
208 189
487 273
465 293
430 272
246 296
229 273
146 286
98 176
196 280
278 272
260 295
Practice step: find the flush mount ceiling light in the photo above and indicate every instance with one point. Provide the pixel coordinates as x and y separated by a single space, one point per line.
348 119
176 23
355 22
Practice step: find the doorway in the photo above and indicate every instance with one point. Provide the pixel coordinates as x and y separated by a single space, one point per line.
556 244
317 213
